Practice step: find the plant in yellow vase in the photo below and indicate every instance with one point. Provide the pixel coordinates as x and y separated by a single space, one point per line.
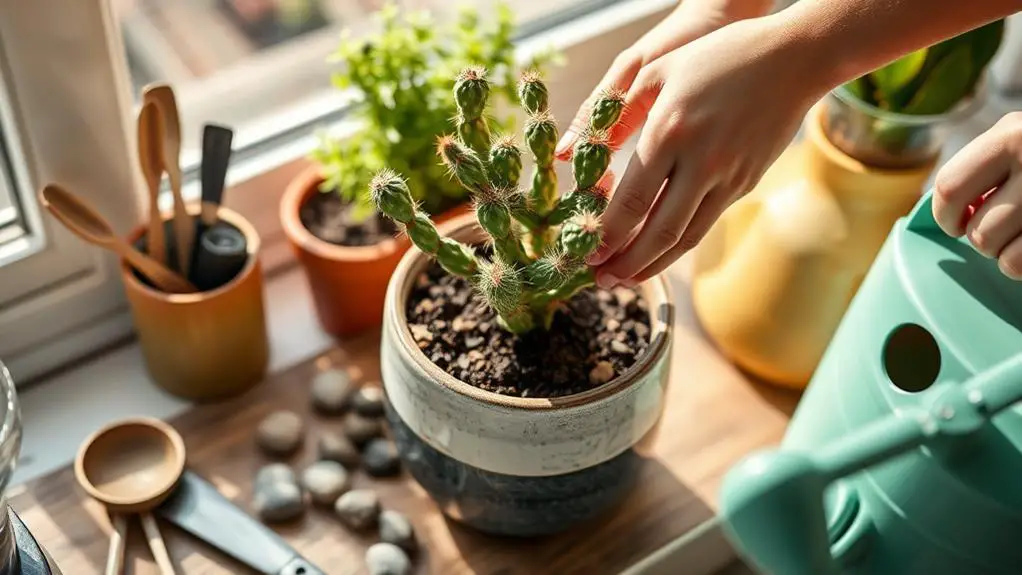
812 227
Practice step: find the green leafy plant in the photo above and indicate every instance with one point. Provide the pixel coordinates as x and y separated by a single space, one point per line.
539 240
403 76
933 80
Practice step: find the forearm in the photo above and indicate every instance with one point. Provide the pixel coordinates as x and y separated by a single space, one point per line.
844 39
726 11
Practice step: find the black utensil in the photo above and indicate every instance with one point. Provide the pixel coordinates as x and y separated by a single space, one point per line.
198 508
216 156
223 252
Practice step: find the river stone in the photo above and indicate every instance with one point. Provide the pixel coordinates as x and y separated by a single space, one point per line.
380 458
275 473
368 401
334 446
361 429
387 559
280 433
396 529
325 481
331 391
358 509
278 501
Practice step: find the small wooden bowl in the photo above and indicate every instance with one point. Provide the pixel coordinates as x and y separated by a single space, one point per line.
208 345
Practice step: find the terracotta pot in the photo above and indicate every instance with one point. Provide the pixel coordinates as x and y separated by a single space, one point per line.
511 465
207 345
348 283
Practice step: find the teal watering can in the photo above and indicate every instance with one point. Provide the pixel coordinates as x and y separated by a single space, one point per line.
904 456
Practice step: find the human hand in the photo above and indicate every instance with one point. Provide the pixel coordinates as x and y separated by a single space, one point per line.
691 19
718 111
978 193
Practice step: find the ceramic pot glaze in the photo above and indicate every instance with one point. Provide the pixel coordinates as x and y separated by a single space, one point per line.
519 466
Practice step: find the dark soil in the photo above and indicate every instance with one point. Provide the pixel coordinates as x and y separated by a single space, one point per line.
330 219
599 335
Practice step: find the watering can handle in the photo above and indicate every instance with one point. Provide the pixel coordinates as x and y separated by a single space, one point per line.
772 501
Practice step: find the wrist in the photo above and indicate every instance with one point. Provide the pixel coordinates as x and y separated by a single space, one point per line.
806 60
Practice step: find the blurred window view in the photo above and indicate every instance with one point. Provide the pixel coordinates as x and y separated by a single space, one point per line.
10 219
236 60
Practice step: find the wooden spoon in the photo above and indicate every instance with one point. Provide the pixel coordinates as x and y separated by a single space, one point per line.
150 158
79 217
132 466
184 228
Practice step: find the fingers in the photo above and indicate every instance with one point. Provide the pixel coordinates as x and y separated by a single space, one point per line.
998 221
980 166
1010 261
638 104
647 169
620 75
712 206
662 230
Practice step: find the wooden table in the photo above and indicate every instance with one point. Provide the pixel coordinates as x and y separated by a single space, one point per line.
714 415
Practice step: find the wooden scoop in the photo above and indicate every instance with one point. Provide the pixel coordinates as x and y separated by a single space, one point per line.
79 217
132 466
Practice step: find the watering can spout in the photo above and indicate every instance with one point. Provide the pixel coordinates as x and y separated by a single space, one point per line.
772 502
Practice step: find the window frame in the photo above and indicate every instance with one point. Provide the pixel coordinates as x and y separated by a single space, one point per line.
67 106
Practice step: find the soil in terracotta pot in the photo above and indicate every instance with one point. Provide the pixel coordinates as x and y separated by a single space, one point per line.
599 335
330 219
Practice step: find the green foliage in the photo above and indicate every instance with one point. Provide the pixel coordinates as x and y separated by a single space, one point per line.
523 286
933 80
404 77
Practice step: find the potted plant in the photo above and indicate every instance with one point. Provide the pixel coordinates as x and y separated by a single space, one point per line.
403 77
774 276
517 392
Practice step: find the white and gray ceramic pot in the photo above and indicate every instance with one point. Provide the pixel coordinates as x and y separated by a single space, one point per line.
519 466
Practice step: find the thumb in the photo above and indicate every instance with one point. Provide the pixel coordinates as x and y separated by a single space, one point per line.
619 76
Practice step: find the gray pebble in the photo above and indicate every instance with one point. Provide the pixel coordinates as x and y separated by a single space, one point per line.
280 433
331 391
396 529
387 559
279 501
275 473
358 509
334 446
361 429
380 458
368 401
325 481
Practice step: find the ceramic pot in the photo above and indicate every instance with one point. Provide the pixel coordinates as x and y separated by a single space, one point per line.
519 466
208 345
348 283
775 274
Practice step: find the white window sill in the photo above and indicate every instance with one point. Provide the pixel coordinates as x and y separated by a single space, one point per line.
58 413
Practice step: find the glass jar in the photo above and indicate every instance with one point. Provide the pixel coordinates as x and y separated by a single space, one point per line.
10 447
888 140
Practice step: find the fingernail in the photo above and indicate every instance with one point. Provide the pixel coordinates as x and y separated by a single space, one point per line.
606 281
597 258
629 283
562 146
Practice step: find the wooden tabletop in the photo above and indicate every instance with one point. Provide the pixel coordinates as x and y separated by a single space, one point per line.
714 415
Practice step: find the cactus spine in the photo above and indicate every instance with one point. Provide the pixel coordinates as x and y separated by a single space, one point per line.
524 287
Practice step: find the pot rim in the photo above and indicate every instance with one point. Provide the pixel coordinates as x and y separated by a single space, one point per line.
295 195
964 108
252 247
656 291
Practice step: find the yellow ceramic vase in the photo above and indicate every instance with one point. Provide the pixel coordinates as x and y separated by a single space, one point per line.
775 275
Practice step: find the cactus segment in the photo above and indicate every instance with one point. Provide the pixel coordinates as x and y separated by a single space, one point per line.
423 233
390 194
533 94
505 162
494 217
541 135
456 258
580 236
463 163
591 158
607 109
500 285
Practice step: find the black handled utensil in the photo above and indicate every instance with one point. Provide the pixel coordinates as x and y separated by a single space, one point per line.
198 508
216 156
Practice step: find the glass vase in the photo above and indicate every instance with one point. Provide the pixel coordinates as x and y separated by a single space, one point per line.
888 140
10 447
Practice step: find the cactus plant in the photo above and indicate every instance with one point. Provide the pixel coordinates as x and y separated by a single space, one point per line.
539 240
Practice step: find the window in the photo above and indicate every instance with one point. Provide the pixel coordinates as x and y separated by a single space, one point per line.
243 62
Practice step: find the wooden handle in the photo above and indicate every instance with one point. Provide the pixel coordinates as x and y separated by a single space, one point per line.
156 544
184 226
163 278
155 241
115 556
